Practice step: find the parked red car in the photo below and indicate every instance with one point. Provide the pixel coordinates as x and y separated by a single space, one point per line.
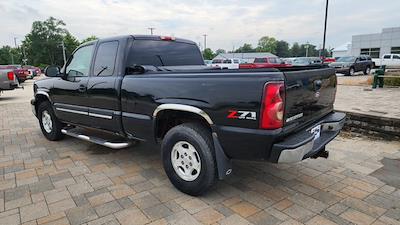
21 73
267 62
329 60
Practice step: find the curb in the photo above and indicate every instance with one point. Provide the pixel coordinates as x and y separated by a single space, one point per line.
372 125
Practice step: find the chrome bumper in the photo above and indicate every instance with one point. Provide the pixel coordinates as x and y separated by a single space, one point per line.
304 144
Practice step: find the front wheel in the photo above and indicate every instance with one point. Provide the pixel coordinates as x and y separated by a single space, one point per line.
189 158
351 71
49 124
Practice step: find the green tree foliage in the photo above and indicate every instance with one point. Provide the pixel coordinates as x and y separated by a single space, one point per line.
9 55
90 38
220 51
245 48
267 44
295 50
312 50
42 44
70 43
282 49
208 54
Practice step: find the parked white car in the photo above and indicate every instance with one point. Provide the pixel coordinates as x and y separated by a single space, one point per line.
390 60
226 63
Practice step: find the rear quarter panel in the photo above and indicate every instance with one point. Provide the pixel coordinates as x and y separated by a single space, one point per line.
215 93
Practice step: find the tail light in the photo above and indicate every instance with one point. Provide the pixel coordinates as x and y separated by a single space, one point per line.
10 75
273 105
167 38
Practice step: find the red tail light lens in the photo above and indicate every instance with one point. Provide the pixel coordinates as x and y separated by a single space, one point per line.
10 75
273 105
167 38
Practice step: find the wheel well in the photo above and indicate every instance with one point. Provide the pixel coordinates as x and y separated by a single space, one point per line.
39 100
168 119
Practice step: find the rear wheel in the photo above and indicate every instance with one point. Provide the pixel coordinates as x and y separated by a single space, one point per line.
188 157
367 70
49 124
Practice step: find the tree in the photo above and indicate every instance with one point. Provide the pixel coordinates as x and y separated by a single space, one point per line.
219 51
267 44
9 55
312 50
90 38
282 49
295 50
245 48
208 54
70 43
42 44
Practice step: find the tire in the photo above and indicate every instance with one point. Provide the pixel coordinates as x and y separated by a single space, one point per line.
367 70
47 118
182 139
351 71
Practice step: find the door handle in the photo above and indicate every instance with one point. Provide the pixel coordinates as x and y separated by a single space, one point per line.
82 88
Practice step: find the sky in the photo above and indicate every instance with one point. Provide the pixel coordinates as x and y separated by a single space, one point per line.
227 23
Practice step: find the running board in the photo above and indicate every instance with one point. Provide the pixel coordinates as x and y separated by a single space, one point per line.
76 134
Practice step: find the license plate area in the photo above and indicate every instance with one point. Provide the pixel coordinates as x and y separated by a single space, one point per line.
316 131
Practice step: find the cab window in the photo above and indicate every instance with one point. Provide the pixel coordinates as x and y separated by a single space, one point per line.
79 65
386 56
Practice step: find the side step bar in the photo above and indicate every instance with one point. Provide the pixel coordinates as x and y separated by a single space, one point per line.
96 140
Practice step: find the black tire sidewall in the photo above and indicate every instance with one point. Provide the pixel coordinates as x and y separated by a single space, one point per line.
55 133
205 150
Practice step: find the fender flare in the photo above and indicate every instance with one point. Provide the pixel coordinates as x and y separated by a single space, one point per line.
224 164
181 107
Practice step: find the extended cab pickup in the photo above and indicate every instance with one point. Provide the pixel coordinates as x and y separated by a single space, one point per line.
121 90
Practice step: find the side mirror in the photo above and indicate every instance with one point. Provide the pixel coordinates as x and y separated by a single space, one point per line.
52 71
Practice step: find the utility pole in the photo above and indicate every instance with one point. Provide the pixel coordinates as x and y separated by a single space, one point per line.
12 57
151 30
307 46
326 21
63 49
205 41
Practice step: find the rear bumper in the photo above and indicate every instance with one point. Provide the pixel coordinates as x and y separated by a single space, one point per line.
342 70
303 144
256 144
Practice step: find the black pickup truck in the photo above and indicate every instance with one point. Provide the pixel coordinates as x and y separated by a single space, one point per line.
125 89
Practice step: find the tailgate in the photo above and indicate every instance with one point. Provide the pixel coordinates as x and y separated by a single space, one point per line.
310 95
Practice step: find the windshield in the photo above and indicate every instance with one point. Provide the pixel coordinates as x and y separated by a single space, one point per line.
217 61
301 61
260 60
346 59
227 61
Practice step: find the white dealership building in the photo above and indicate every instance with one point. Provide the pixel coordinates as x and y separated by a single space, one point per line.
375 45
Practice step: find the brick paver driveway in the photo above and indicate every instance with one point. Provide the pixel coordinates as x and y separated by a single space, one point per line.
74 182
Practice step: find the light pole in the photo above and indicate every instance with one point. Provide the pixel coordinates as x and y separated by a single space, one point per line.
151 30
307 46
63 50
205 41
326 21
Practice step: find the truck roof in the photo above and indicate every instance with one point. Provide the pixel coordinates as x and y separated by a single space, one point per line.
142 37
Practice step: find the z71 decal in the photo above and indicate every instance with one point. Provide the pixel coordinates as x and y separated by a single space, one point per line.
242 115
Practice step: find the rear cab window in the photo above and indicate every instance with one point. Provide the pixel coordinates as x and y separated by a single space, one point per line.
164 53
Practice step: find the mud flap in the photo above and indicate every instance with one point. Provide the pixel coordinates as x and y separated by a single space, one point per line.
224 164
